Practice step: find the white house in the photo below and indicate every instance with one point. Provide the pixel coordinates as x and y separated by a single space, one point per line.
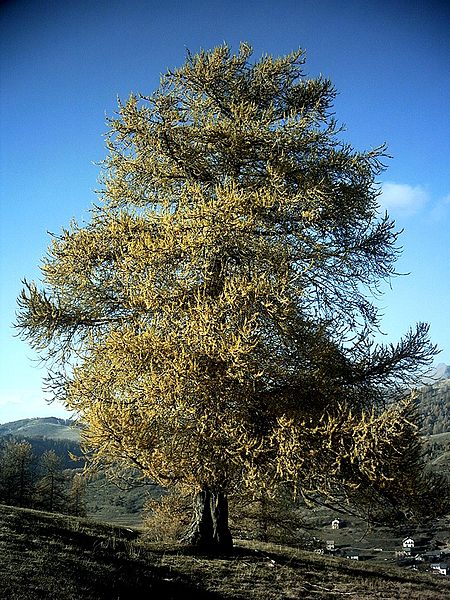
408 543
336 524
441 568
330 545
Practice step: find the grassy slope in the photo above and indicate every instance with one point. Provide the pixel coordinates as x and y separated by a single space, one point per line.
55 557
49 427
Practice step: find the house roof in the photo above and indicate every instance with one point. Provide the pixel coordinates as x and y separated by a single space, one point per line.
440 565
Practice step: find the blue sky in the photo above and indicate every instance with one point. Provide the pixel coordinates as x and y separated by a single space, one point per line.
63 64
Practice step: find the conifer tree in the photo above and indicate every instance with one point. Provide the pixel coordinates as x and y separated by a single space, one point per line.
16 474
213 323
50 491
76 497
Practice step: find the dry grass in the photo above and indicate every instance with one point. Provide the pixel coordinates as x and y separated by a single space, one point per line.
65 558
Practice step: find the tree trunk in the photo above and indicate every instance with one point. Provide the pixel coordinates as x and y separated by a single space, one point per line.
209 527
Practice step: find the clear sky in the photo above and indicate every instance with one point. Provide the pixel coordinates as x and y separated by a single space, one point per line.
63 64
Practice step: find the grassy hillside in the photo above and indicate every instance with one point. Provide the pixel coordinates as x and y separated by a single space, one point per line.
50 428
49 433
107 502
65 558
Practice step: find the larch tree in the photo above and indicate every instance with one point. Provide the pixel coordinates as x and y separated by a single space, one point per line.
16 472
50 488
76 497
213 322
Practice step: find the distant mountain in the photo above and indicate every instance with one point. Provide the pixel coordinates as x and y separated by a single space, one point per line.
441 371
50 428
49 433
434 413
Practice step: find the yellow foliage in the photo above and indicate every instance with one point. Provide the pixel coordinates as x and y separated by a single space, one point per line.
211 318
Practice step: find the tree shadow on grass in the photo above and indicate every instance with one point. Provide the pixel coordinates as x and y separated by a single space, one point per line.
42 557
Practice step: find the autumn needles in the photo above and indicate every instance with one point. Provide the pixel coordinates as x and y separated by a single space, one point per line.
214 316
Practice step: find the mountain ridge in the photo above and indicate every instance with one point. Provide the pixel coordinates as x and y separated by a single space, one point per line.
52 428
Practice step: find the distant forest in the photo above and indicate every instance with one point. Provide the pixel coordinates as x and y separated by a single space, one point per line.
62 448
38 479
434 407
